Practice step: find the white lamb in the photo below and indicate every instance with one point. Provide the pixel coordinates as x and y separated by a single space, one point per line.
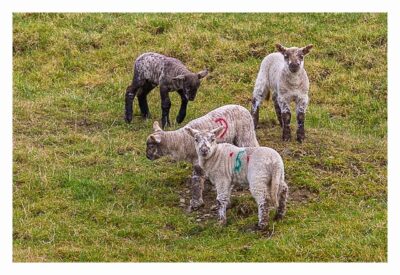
259 167
283 74
238 129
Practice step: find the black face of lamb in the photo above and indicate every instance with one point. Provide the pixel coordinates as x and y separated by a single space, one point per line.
190 86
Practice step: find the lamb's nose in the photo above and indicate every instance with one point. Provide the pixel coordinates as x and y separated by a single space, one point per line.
294 67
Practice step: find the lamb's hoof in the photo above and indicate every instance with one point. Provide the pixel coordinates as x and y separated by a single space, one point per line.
278 217
179 119
222 222
300 139
262 227
128 118
195 205
146 116
286 138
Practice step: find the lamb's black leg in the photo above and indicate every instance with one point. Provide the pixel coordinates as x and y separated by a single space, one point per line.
129 97
182 111
286 135
165 107
277 110
300 127
142 98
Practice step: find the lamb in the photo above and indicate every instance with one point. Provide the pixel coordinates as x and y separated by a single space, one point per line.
283 73
152 69
259 167
238 129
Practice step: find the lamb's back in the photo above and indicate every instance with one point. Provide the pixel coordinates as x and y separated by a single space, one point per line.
237 121
151 66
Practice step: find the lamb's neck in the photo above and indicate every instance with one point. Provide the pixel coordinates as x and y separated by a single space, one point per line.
293 79
181 70
211 161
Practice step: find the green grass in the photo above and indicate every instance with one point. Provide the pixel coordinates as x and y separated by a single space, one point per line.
83 189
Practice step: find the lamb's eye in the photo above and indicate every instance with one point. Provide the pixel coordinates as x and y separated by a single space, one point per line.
196 140
301 56
285 55
212 139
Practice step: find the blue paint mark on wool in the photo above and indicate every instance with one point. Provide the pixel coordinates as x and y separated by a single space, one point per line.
238 162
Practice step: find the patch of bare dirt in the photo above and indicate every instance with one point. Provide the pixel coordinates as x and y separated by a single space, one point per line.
239 195
84 125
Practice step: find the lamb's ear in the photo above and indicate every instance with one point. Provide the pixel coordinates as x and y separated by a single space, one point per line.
156 127
179 77
191 131
280 48
218 131
156 138
202 74
307 49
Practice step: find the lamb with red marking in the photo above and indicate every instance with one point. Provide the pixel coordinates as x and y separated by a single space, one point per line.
237 128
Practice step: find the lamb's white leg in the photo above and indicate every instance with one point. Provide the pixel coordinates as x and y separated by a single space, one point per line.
223 199
258 189
283 194
197 186
284 105
259 94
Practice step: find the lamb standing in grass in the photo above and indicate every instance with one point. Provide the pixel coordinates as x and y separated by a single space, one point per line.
238 129
259 167
283 73
152 69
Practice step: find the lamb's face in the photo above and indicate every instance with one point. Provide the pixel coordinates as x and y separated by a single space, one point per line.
190 83
205 144
153 146
190 86
205 141
153 143
294 57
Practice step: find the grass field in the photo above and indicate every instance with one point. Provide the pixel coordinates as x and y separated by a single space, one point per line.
83 189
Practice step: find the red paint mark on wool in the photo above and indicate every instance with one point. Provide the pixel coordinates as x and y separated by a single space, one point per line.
248 158
223 122
231 154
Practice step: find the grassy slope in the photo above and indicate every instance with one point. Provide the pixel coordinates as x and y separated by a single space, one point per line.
84 190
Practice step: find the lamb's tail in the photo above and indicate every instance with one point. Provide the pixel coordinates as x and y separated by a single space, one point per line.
275 184
268 96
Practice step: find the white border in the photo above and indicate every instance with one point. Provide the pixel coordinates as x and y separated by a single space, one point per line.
200 6
9 7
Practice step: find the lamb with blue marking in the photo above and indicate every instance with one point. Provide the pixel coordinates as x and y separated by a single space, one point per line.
259 167
237 125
